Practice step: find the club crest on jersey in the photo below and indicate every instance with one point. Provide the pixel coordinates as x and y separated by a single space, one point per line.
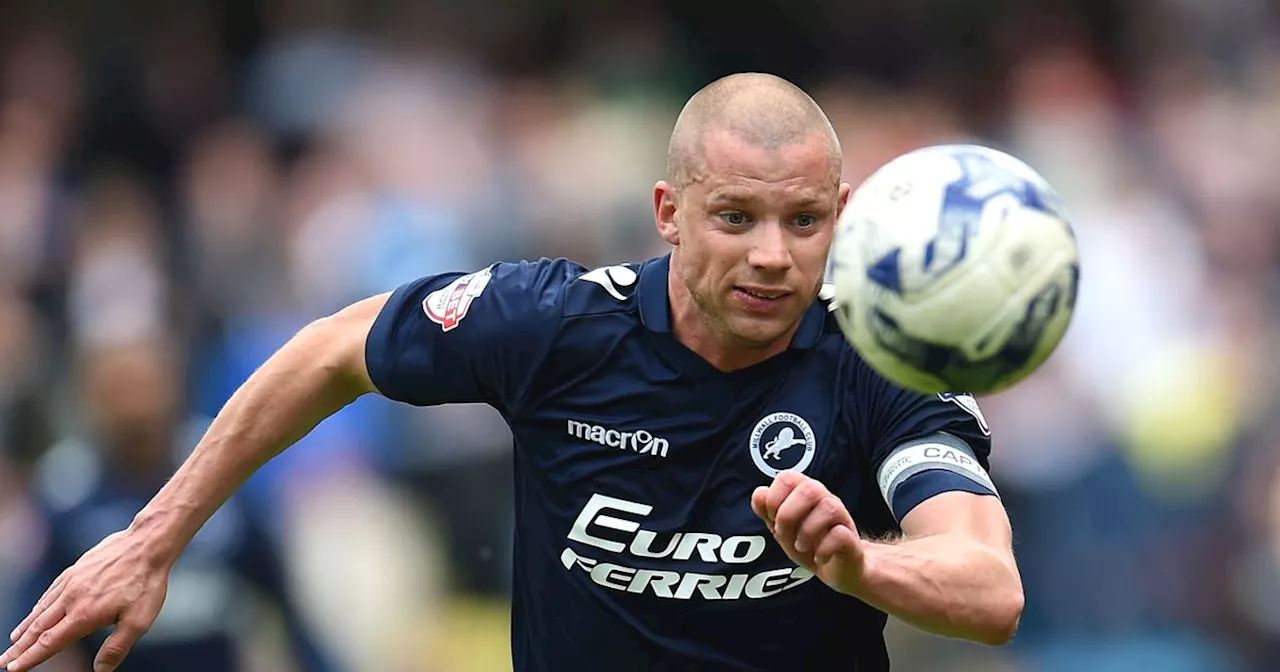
782 442
969 405
447 306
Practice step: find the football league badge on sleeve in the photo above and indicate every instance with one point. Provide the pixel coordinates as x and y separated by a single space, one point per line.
446 307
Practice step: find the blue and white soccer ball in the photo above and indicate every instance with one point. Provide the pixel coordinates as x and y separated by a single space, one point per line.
954 269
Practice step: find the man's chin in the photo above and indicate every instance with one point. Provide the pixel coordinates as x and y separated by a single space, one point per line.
762 333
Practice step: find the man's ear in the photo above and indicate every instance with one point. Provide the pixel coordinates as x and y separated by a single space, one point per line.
845 190
665 204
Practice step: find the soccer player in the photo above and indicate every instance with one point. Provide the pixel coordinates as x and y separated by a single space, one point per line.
707 475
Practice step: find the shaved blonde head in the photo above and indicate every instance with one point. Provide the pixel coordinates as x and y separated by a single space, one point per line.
764 110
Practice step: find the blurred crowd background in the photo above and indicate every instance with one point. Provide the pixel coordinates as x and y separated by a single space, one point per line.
183 185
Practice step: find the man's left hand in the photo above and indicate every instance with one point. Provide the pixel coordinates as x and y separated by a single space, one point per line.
814 528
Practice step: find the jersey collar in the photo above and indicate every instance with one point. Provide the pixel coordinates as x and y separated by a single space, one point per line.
655 307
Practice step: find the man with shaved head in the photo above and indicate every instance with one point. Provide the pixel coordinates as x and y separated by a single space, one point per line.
695 440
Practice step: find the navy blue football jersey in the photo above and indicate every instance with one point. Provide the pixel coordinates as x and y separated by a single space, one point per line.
636 546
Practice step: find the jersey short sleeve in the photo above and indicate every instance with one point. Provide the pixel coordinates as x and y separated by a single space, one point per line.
924 444
467 338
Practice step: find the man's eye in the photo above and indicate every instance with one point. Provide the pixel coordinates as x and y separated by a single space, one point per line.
806 221
735 218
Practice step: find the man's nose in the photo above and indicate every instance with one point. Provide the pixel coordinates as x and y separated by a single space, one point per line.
770 249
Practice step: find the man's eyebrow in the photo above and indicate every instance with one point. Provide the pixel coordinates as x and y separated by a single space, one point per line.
811 202
736 196
731 195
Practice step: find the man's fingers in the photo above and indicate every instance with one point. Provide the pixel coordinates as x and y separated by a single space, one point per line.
759 505
47 643
117 646
45 621
778 492
792 512
827 513
790 516
799 511
838 544
50 596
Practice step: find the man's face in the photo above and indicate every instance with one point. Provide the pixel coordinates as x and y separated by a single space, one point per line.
754 226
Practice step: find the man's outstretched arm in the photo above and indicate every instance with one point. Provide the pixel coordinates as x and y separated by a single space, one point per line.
318 373
952 574
440 339
123 580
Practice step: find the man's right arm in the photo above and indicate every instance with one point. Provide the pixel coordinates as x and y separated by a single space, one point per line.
316 374
411 345
123 580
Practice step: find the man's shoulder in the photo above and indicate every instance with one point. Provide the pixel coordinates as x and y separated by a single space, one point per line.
543 275
537 299
556 288
603 290
589 289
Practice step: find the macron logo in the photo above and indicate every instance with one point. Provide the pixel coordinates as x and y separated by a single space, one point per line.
640 441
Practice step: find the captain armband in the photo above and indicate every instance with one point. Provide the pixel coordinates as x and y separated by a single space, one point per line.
920 469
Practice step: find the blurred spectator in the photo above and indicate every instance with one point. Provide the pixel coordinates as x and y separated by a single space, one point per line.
92 485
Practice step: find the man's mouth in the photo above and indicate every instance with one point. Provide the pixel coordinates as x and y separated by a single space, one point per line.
761 296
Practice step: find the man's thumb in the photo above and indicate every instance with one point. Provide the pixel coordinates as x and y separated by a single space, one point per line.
115 649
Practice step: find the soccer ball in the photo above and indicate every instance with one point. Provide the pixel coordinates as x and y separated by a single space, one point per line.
954 270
